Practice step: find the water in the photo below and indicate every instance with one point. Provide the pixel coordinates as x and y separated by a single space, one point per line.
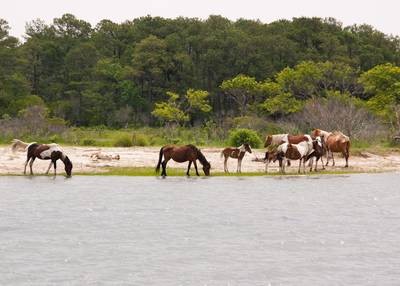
332 230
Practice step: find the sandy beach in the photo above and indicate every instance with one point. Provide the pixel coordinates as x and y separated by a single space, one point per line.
147 157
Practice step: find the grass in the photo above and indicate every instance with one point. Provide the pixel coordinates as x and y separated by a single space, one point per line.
178 172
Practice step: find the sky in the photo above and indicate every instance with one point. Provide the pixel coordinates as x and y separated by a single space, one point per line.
383 14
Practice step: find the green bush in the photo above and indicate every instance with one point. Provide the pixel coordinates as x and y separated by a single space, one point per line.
123 141
139 139
239 136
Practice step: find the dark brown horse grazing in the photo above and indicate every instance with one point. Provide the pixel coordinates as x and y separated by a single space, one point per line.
182 154
51 152
236 153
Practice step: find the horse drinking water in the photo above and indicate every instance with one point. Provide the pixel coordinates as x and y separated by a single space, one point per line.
182 154
236 153
51 152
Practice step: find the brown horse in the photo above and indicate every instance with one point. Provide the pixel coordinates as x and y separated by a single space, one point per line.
336 142
51 152
182 154
236 153
278 139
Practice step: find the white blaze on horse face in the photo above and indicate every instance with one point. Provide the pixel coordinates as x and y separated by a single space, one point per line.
53 147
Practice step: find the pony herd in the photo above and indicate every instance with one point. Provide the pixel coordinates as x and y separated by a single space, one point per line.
283 148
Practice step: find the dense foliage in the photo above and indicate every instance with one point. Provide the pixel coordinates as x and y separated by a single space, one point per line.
133 73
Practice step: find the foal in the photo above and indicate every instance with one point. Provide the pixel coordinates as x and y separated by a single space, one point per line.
236 153
51 152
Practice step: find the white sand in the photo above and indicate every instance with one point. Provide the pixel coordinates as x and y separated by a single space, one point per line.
148 156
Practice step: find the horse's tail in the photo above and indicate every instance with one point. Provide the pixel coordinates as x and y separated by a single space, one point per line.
348 144
159 160
19 145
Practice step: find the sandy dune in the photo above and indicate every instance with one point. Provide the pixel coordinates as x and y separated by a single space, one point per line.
147 157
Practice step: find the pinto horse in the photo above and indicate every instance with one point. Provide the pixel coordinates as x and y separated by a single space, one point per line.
182 154
319 151
336 142
51 152
236 153
291 151
278 139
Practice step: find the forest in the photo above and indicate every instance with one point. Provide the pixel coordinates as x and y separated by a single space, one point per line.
214 74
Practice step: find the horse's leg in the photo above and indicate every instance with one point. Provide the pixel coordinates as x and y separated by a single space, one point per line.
311 163
283 165
26 163
316 163
31 163
266 166
195 166
346 156
239 166
288 163
322 162
226 164
164 167
188 170
55 167
333 159
304 165
48 169
327 157
299 166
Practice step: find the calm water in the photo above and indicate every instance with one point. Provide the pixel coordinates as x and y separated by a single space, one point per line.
334 230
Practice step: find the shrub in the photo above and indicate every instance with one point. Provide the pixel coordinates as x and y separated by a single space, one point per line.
123 141
239 136
139 139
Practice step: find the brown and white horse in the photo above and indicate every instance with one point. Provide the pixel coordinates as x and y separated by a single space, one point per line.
236 153
291 151
182 154
336 142
319 151
51 152
278 139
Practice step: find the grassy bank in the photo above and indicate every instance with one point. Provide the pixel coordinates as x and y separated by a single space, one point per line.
149 172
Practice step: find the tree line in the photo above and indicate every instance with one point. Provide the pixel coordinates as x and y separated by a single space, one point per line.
145 71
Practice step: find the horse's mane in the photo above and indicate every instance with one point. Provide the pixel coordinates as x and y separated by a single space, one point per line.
200 155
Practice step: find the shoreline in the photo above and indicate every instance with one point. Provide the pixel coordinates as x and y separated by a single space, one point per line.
141 161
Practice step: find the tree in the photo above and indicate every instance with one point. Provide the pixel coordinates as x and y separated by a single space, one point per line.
178 112
383 84
242 89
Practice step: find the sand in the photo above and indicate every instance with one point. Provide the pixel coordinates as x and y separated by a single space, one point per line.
148 156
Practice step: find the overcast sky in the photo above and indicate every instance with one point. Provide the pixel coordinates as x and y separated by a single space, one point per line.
382 14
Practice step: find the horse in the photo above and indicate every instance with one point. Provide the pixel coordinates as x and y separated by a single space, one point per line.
51 152
268 158
278 139
236 153
336 142
291 151
319 151
182 154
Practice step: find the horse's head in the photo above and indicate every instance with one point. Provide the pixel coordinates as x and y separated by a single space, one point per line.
268 140
315 133
247 147
206 168
68 166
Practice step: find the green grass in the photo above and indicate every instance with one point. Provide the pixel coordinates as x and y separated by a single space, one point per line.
147 171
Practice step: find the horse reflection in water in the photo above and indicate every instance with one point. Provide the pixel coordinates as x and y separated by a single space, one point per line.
51 152
182 154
